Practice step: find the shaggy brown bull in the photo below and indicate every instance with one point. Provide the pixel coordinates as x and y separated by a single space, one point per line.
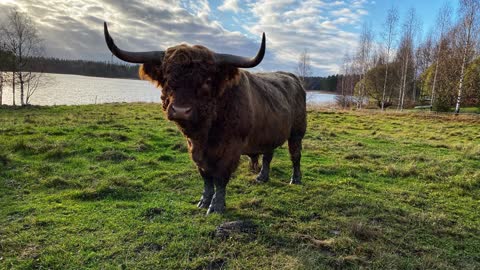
223 111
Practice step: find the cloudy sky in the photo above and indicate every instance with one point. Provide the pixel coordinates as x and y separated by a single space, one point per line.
327 29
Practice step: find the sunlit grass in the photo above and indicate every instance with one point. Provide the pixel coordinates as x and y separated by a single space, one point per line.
112 186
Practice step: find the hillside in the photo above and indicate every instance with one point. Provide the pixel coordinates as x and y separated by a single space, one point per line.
112 186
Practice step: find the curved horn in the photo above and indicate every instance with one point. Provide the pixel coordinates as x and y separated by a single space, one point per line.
132 57
242 62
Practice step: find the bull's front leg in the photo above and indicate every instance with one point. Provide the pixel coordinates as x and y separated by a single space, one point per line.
218 202
208 192
221 173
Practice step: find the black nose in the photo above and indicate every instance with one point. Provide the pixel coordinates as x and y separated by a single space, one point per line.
180 113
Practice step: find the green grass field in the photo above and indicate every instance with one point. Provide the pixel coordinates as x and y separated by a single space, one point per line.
112 187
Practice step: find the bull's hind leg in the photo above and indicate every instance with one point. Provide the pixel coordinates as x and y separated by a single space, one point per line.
265 171
295 148
254 163
208 191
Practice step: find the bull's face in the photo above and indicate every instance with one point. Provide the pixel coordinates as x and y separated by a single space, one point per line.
191 77
186 76
188 102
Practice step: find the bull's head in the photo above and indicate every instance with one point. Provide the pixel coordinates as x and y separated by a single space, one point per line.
191 77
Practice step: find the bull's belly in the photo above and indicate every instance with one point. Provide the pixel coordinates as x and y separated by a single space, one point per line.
264 142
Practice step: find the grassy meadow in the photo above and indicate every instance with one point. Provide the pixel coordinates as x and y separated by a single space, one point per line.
112 187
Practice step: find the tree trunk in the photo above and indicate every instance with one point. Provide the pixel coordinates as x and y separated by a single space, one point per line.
360 99
385 85
401 88
414 90
1 88
404 85
13 87
22 93
460 84
343 92
432 98
462 71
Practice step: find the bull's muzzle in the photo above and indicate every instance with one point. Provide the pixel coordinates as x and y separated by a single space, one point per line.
179 113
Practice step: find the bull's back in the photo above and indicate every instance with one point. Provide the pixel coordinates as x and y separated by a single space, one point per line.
277 103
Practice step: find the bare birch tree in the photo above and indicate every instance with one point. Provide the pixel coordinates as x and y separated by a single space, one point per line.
443 23
469 17
342 99
35 81
425 53
5 65
390 30
363 58
2 68
304 68
22 40
410 27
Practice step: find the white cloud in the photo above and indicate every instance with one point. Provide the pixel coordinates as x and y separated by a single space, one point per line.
316 25
74 29
230 5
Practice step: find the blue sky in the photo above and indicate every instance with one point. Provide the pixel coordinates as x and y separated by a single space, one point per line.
326 28
426 10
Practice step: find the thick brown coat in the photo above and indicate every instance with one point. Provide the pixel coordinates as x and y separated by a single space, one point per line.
235 113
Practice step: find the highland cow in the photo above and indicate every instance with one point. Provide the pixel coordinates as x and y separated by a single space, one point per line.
225 111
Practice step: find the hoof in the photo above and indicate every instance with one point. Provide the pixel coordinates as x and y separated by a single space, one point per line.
216 209
295 181
204 203
261 178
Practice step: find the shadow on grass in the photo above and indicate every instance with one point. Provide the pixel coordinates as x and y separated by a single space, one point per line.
371 234
116 193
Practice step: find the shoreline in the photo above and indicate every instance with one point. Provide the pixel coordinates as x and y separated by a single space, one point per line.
323 92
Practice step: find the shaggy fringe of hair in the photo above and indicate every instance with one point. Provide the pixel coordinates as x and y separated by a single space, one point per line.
183 55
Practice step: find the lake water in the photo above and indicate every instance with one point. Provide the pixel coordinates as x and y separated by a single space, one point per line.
76 90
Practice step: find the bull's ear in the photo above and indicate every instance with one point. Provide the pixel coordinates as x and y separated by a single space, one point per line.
151 72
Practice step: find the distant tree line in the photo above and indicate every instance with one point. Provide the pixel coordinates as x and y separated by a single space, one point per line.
328 83
111 70
86 68
304 72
